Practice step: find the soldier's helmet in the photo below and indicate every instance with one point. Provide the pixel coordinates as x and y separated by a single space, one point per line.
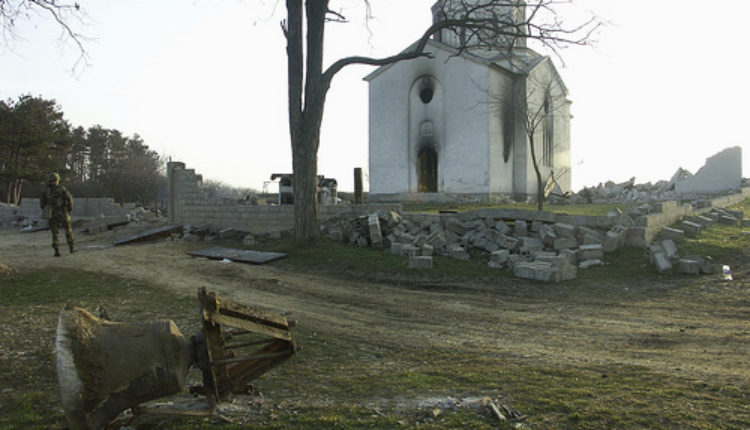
53 178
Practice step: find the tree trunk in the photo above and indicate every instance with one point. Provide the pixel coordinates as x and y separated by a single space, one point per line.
305 165
539 185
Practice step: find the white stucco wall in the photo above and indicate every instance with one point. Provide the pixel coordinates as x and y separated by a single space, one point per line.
458 111
722 172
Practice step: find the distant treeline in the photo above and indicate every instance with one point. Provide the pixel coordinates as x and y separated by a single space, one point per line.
35 140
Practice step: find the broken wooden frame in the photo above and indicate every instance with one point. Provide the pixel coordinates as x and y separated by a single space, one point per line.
238 343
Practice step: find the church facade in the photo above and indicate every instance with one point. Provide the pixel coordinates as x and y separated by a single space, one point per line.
458 125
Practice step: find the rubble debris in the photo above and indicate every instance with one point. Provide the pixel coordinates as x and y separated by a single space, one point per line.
238 255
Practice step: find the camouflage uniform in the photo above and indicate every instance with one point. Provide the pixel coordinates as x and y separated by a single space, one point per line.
60 201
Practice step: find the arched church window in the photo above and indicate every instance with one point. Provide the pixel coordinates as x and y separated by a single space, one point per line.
426 90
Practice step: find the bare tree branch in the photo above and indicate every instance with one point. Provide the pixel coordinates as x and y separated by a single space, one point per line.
63 13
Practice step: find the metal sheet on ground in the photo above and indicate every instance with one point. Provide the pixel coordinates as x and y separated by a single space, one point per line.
239 255
150 234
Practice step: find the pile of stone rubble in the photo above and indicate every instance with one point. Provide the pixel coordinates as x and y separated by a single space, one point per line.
539 250
663 253
543 249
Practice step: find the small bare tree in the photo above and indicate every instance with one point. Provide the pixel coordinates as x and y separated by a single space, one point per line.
64 13
475 24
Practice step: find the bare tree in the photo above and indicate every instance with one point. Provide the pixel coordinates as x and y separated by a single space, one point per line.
476 24
64 13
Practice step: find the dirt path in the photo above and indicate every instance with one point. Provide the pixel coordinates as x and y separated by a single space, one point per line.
700 331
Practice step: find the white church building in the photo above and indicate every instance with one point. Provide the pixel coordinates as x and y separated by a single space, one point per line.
456 126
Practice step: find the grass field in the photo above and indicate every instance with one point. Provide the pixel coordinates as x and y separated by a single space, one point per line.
364 381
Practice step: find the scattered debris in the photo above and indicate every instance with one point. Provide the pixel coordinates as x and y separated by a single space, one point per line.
238 255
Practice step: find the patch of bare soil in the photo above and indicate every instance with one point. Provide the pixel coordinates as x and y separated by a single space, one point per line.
696 330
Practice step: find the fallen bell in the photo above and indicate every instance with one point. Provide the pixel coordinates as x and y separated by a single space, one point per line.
107 367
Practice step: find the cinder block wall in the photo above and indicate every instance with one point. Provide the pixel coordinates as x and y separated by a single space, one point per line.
188 204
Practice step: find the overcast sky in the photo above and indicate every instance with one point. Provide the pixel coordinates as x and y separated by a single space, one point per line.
204 82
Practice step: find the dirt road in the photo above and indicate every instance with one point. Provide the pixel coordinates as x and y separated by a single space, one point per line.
698 329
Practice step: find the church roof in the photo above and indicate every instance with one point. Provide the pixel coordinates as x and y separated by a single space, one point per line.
519 61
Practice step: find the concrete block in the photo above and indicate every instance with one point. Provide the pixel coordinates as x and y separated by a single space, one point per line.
427 250
562 243
500 256
728 220
458 252
591 252
564 230
536 225
547 234
662 263
585 264
535 270
248 240
614 239
409 250
672 233
529 244
508 242
670 249
703 220
437 240
420 262
691 228
396 248
514 259
376 236
362 241
521 228
745 223
502 227
688 266
456 226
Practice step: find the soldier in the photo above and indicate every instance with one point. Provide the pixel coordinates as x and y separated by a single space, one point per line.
57 204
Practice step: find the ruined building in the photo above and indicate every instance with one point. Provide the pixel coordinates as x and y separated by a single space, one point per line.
455 126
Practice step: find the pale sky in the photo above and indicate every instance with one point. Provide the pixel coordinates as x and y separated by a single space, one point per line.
204 82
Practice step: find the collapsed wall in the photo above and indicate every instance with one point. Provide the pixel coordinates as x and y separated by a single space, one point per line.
189 205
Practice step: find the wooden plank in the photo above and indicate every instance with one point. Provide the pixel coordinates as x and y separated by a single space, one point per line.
238 255
219 318
252 312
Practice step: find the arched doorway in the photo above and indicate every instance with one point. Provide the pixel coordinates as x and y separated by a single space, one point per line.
427 170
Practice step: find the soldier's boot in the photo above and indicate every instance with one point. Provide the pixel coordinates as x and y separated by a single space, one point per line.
57 251
70 247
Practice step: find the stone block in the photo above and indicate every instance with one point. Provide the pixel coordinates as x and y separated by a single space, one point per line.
614 239
248 240
456 226
547 234
362 241
536 225
376 236
562 243
502 227
745 223
691 228
508 242
396 248
535 270
672 233
458 252
662 263
688 266
500 256
420 262
564 230
521 228
591 252
529 244
514 259
409 250
728 220
437 240
585 264
427 250
703 220
669 248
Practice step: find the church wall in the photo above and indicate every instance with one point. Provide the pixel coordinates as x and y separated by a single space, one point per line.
539 80
501 129
459 117
465 160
